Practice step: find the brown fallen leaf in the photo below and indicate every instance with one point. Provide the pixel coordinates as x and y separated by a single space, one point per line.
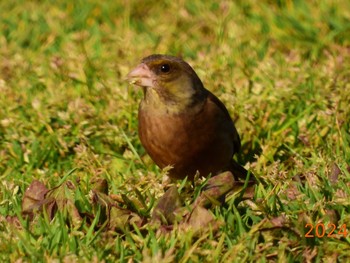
12 220
168 204
122 219
279 221
38 198
219 186
115 217
215 190
334 174
61 198
33 198
200 220
292 192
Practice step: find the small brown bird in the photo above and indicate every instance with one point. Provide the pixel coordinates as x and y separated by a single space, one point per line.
181 123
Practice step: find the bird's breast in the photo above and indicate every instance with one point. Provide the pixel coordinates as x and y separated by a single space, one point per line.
166 137
191 140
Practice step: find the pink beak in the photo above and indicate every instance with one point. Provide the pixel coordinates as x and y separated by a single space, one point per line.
141 76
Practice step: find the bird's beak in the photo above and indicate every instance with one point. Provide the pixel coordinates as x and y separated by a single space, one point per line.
141 76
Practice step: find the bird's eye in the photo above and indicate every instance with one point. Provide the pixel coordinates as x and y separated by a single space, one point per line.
165 68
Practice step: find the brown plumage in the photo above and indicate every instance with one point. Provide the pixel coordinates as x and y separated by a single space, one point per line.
181 123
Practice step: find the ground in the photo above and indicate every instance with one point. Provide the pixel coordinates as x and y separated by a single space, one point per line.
68 129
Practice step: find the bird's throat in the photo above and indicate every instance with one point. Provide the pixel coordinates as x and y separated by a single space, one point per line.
160 104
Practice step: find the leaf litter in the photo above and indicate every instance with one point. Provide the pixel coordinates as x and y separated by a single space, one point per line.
120 213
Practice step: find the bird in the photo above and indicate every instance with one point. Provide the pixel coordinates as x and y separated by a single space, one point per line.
181 123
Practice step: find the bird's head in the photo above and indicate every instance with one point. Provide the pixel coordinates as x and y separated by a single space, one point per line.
168 82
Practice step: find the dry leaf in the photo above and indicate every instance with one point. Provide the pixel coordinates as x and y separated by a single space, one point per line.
200 220
167 205
219 186
33 198
334 174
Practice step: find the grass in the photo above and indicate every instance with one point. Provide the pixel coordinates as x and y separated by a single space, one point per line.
69 119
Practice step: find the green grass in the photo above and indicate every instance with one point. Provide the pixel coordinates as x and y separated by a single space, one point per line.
68 116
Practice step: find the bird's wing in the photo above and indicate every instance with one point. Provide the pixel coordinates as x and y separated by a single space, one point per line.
235 137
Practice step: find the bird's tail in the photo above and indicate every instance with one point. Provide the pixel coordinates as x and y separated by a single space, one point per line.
239 172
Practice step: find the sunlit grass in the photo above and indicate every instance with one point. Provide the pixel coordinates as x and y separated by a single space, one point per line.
282 70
